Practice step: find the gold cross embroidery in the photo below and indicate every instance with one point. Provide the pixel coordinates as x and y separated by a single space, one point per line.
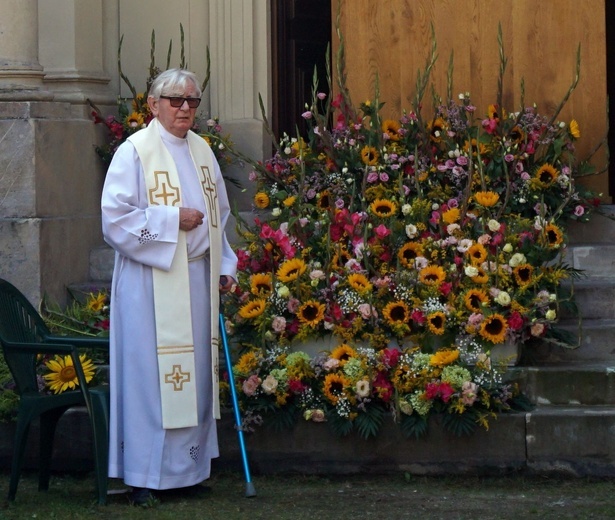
164 190
211 196
177 378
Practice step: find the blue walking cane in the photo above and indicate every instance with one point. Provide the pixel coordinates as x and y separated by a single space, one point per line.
250 491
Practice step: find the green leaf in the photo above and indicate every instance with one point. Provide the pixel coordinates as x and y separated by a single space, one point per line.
368 423
414 425
460 424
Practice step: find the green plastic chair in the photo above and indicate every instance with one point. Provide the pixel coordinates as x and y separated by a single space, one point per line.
23 336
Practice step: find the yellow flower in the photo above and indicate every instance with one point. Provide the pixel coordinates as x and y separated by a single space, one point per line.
444 357
261 200
450 216
343 353
324 200
436 322
545 176
289 201
553 235
432 275
261 283
63 375
252 309
523 274
482 277
486 198
334 387
408 253
247 363
477 254
391 128
291 270
493 328
476 146
396 312
96 302
517 135
475 299
359 283
383 208
575 131
311 313
134 121
436 128
369 155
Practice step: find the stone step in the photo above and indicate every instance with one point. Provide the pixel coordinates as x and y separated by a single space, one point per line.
571 440
597 261
588 385
600 229
595 299
596 345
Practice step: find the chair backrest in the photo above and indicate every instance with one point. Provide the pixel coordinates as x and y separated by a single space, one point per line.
20 322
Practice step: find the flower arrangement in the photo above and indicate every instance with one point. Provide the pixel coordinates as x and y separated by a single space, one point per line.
441 237
354 388
133 114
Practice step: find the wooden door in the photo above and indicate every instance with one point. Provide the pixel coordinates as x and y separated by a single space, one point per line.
301 34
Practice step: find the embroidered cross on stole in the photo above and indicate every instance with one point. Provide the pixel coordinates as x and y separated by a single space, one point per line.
175 345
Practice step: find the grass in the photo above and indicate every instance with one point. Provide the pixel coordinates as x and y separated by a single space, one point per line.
71 496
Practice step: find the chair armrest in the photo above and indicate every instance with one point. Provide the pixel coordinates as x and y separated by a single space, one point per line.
80 342
40 348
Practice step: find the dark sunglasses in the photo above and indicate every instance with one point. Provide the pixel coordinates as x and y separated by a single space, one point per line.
177 102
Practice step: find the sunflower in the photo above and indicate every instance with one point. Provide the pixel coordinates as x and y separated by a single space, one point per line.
261 283
359 283
482 277
252 309
523 274
432 275
289 201
324 200
139 101
383 208
96 302
396 312
575 131
493 328
311 313
444 357
517 135
436 322
334 387
553 235
340 258
63 375
261 200
369 155
343 353
477 254
450 216
494 113
475 299
486 198
291 270
476 146
436 128
545 175
391 128
134 120
247 363
408 253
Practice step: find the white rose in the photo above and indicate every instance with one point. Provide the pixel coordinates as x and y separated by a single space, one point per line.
503 298
406 209
517 259
493 225
551 314
471 271
411 230
269 385
283 291
362 388
276 212
507 248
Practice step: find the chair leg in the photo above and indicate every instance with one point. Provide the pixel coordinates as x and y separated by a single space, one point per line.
49 422
21 436
100 427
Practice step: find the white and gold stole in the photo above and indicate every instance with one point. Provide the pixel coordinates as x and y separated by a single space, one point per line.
175 344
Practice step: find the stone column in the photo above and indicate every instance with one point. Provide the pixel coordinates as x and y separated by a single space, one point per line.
21 74
240 61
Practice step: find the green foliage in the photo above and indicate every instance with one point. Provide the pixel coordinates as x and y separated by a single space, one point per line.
413 425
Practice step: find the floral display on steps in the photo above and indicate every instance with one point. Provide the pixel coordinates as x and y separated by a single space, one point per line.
444 235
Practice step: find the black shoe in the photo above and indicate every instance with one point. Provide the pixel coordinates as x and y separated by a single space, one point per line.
142 497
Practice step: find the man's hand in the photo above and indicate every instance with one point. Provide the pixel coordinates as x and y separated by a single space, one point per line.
189 218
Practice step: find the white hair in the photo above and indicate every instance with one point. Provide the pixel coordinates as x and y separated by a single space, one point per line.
173 82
